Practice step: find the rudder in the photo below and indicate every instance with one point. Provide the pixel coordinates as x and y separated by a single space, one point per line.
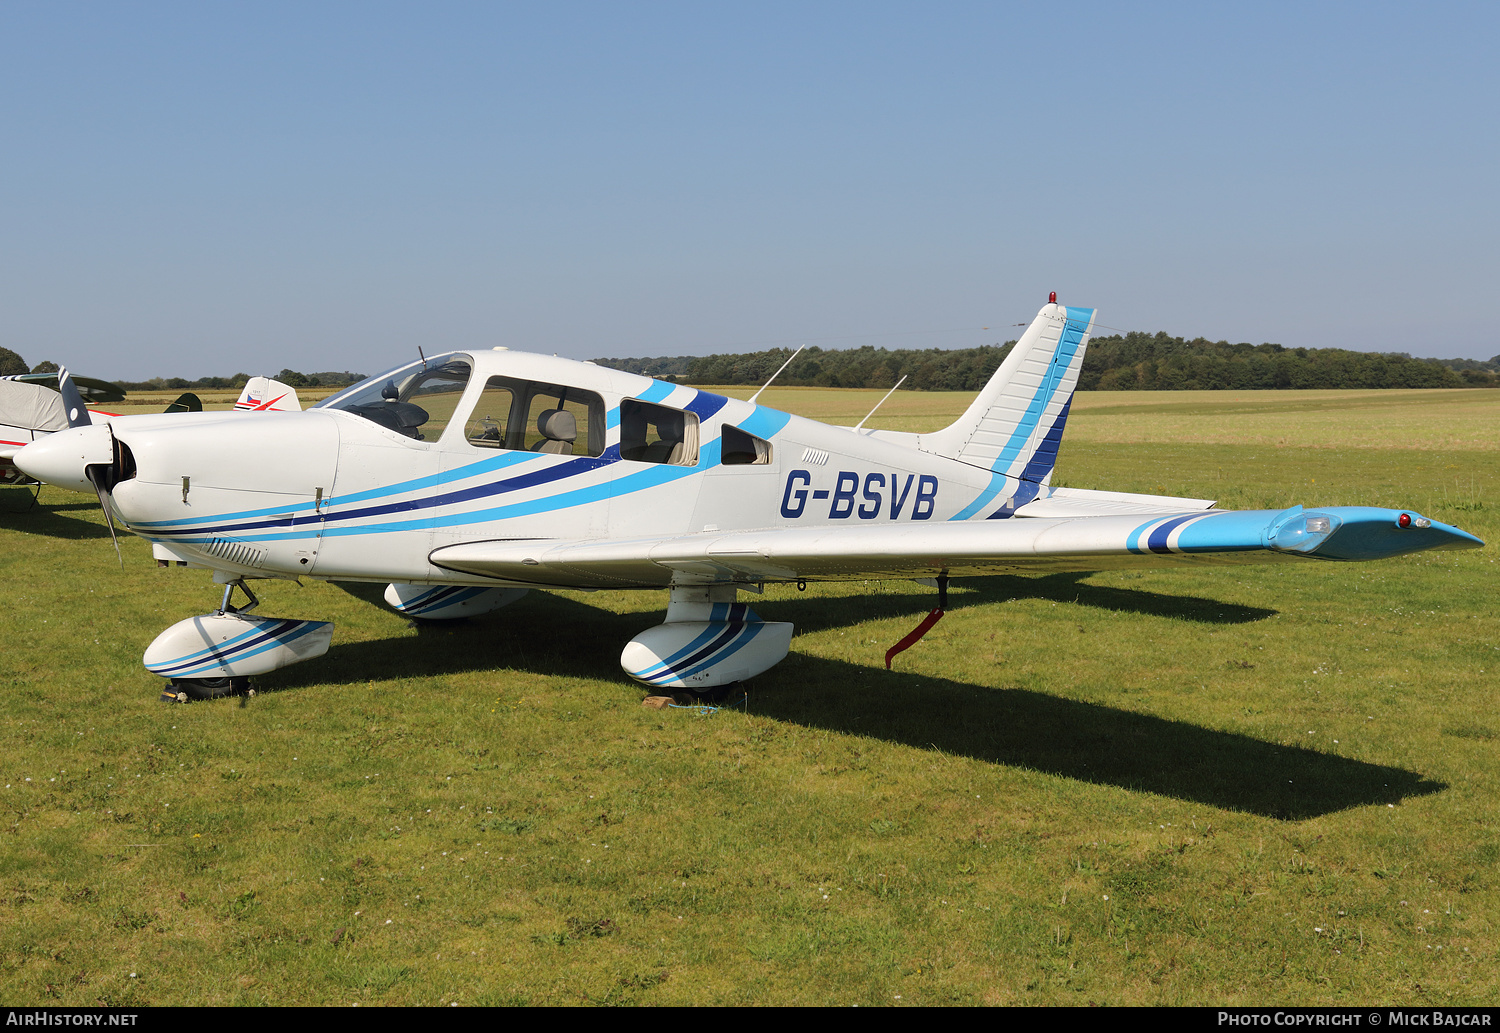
1016 423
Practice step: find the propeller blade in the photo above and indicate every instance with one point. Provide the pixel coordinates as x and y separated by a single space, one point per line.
95 475
78 413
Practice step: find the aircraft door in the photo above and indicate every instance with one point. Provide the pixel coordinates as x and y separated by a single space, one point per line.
526 462
741 491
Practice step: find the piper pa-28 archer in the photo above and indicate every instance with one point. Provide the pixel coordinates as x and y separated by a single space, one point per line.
468 478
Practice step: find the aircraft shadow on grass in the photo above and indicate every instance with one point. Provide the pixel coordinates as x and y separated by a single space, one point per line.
20 513
819 614
1092 742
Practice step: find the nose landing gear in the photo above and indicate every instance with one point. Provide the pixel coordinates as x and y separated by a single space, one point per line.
217 654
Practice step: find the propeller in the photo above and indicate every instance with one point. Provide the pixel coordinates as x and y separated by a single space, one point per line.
78 416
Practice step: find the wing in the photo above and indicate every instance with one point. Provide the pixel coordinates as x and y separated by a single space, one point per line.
957 549
90 389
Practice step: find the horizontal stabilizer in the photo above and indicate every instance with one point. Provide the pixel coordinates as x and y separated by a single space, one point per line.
1075 502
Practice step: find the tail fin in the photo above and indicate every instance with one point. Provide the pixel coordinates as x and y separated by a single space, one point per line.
1016 423
262 394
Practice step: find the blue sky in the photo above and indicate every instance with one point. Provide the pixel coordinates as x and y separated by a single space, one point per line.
193 189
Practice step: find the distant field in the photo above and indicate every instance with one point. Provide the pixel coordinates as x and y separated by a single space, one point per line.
1252 785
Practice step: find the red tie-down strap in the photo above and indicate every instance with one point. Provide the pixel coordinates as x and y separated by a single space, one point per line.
913 638
921 629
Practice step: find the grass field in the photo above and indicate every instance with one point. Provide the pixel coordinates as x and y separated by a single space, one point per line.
1266 784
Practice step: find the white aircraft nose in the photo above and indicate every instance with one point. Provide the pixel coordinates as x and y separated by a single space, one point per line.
59 459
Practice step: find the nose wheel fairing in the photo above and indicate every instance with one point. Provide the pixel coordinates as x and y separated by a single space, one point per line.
216 654
235 645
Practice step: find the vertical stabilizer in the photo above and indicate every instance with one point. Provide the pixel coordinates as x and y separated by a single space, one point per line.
262 394
1015 425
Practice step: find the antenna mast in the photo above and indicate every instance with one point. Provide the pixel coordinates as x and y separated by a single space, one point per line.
784 365
878 404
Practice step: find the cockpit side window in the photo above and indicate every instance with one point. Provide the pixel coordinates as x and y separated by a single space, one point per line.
652 433
417 400
525 415
437 391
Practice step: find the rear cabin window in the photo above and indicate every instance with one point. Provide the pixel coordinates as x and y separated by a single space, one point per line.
742 449
652 433
526 416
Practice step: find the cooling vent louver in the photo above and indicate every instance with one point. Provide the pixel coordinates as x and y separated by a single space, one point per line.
240 553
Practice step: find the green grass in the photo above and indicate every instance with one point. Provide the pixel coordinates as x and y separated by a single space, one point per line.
1264 784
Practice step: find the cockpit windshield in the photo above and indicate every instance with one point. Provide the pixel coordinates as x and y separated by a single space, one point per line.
416 400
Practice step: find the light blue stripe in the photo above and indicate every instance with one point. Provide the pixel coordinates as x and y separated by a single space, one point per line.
219 665
664 666
227 644
735 645
404 607
658 390
467 595
997 481
765 423
642 480
487 465
1132 540
741 639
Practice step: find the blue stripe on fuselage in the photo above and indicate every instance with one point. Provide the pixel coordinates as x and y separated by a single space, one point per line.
641 480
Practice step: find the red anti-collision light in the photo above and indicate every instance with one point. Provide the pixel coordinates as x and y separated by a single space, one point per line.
1052 298
1404 520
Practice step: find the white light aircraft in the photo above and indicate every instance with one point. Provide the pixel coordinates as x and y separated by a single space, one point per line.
467 478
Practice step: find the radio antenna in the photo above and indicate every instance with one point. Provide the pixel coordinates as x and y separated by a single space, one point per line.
878 404
784 365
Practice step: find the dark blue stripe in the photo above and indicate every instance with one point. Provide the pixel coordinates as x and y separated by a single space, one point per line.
1158 540
1025 492
526 480
706 404
213 653
427 601
1045 456
724 638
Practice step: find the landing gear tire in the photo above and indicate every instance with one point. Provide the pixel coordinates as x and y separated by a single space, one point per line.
717 694
207 688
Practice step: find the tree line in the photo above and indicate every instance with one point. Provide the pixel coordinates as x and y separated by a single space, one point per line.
12 364
1122 362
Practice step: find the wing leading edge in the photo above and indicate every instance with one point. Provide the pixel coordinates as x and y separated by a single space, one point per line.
958 548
